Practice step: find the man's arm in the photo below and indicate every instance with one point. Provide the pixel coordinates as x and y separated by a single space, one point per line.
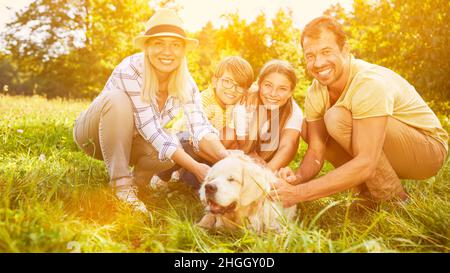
315 154
367 144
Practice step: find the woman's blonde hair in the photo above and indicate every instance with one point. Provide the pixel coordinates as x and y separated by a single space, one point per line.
253 100
179 81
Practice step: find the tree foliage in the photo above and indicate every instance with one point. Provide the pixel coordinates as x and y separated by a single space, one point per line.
68 48
258 42
410 37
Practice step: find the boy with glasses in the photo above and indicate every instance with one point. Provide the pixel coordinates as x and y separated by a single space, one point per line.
231 80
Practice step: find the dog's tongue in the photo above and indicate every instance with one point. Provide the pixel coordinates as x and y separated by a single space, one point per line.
214 207
218 209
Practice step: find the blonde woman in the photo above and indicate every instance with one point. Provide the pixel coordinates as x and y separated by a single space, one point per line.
125 124
268 125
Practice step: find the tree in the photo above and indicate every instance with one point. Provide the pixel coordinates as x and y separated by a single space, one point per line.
75 44
8 74
203 60
256 41
408 37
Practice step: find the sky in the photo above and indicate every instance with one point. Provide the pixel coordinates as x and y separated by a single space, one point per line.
196 13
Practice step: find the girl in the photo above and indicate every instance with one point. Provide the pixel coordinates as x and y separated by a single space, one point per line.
268 125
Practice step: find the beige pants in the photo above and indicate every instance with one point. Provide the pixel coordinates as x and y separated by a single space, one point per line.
407 153
106 131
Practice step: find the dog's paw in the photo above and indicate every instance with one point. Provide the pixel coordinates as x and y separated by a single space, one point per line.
208 221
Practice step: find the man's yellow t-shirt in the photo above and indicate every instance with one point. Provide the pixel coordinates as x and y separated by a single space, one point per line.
372 91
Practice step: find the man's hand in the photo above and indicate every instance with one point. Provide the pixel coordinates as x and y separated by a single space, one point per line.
284 192
288 175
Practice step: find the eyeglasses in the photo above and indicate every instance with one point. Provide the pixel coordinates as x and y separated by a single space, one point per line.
229 84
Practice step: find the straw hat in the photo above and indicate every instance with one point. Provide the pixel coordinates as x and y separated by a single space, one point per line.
164 22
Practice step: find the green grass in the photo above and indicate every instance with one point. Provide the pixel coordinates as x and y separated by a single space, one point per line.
54 198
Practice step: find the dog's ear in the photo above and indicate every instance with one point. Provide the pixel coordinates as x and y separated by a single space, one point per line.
255 183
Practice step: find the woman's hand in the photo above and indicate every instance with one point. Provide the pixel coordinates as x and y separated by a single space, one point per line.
187 162
211 149
201 171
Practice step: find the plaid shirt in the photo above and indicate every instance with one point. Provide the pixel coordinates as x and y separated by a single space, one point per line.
127 77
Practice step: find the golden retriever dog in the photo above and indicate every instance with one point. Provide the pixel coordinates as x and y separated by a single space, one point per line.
235 195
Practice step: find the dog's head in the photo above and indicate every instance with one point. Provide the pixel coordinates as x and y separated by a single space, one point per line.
234 182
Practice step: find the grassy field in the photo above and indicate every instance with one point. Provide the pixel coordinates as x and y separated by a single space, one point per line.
54 198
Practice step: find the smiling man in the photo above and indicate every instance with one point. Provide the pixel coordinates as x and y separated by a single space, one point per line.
368 121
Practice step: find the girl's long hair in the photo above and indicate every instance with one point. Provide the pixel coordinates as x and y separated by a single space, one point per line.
253 142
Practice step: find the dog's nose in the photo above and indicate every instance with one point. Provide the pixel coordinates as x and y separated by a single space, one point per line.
210 188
